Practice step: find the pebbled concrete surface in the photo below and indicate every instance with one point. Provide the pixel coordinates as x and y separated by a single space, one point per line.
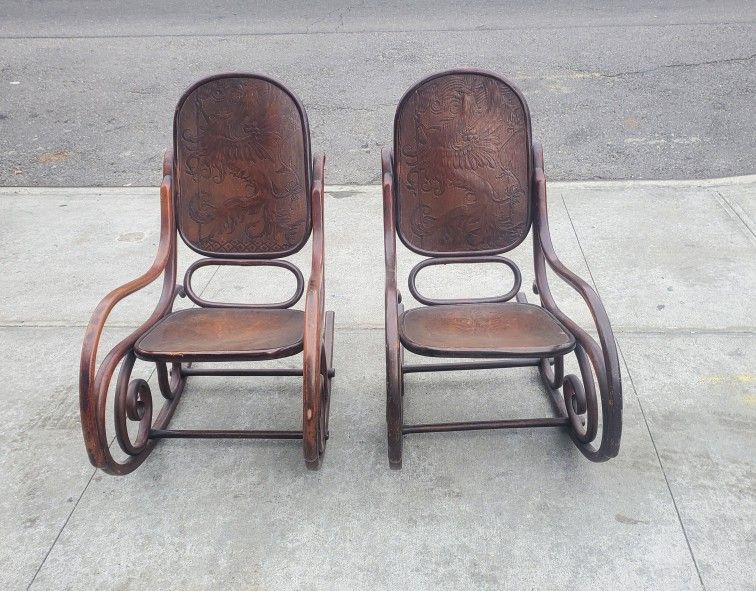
481 510
632 90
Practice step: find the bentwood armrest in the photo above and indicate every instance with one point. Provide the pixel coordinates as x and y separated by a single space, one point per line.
394 376
106 305
393 298
93 387
314 323
168 162
315 284
603 357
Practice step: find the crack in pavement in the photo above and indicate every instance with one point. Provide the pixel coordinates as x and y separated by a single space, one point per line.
666 66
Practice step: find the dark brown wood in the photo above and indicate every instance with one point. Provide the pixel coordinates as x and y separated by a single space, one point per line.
190 293
462 165
222 434
245 191
223 334
599 360
242 168
483 425
394 357
318 335
271 371
464 260
465 181
484 330
469 365
93 380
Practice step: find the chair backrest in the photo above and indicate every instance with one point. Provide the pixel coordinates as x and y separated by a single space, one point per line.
462 162
242 168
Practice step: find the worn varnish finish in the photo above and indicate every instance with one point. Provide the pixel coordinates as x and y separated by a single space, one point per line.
246 191
464 182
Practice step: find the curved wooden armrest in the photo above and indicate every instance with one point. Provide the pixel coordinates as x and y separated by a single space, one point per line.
168 162
604 357
393 297
394 355
314 308
93 388
314 321
318 246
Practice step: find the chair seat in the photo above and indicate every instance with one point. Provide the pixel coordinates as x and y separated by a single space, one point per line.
484 330
223 334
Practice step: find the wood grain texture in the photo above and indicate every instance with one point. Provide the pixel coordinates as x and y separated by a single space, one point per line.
242 168
484 330
212 334
462 165
244 193
466 182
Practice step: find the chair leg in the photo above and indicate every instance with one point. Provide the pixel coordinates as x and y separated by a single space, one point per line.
577 401
319 385
394 402
327 372
582 407
553 379
171 383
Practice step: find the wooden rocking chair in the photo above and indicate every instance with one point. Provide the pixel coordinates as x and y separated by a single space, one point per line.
464 184
241 190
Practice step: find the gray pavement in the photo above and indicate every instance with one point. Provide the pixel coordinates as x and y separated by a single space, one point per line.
673 262
620 90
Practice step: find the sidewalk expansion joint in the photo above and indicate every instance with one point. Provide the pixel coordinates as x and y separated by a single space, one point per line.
643 414
661 467
65 523
736 213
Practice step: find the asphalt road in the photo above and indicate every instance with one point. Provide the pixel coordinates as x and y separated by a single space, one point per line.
627 91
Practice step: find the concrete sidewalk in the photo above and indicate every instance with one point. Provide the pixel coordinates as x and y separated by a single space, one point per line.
672 261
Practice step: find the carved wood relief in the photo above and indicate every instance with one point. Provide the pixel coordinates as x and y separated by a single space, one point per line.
461 161
240 167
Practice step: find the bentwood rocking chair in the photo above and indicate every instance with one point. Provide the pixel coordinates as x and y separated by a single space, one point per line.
464 184
240 188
